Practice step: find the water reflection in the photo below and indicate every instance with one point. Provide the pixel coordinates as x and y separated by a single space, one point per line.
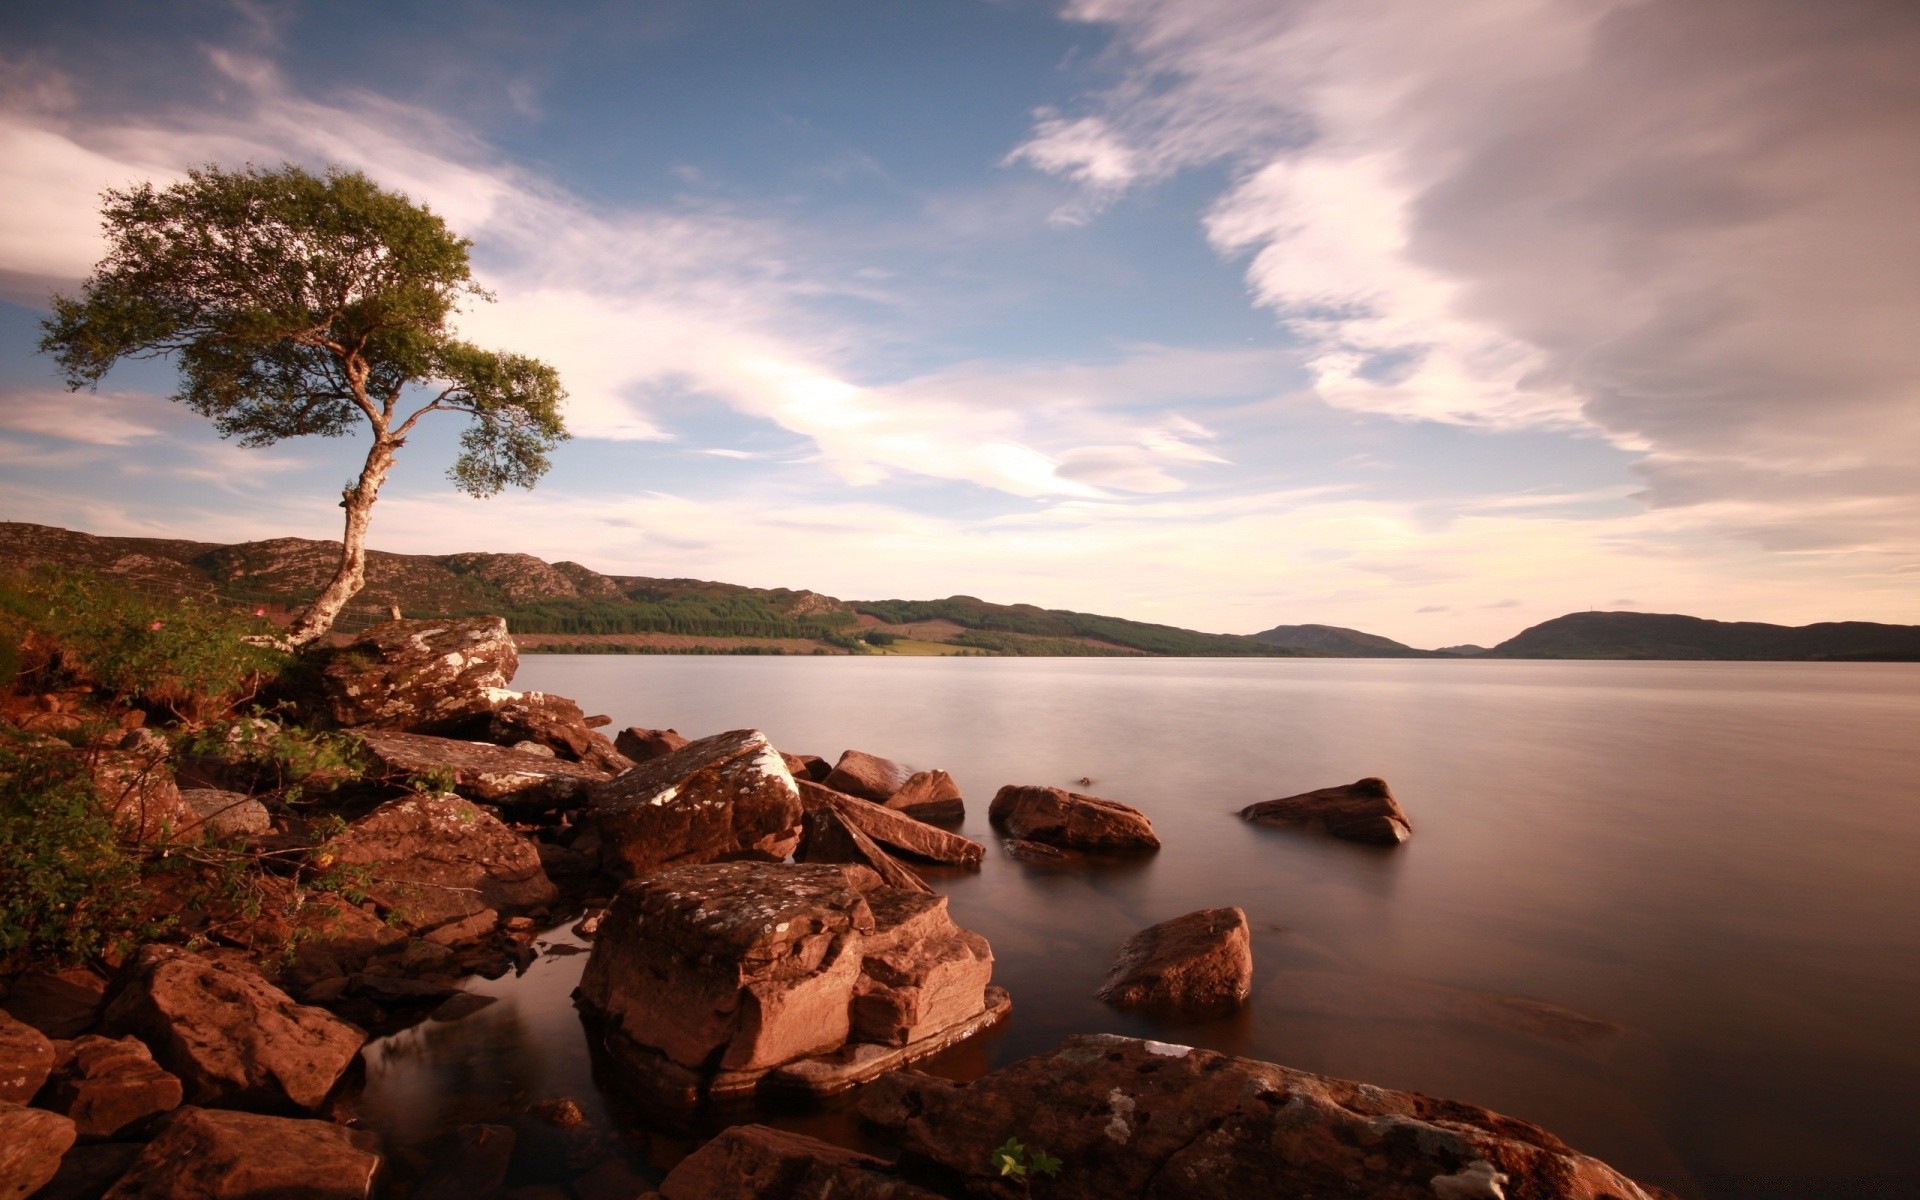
1664 910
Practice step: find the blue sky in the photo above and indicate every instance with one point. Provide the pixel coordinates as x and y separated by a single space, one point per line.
1435 321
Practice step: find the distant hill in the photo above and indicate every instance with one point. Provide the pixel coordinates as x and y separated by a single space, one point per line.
1334 640
1670 636
1466 650
567 606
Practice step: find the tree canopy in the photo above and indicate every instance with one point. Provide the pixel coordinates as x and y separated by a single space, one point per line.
296 304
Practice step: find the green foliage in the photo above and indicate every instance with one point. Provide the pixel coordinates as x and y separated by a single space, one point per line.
1016 1161
178 653
435 781
68 890
1025 645
980 616
879 637
700 614
292 763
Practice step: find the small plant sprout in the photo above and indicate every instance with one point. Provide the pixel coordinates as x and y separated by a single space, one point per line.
1016 1161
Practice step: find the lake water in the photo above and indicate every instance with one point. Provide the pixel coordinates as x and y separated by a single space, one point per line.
1706 872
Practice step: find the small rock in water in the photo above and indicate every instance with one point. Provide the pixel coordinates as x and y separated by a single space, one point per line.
1364 811
1199 962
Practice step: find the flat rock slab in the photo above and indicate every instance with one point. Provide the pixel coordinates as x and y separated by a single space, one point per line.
26 1058
754 1162
206 1155
721 798
483 771
1070 820
1364 811
60 1004
1199 962
828 837
422 676
106 1085
439 859
1132 1119
896 830
32 1142
708 978
232 1038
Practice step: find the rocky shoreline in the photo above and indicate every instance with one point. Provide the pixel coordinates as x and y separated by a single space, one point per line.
760 927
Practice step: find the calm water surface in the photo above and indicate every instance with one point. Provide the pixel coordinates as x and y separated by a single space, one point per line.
1670 911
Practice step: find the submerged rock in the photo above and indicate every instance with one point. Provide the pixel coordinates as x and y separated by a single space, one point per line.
1130 1118
420 676
233 1039
207 1155
1199 962
439 859
1070 821
754 1162
1364 811
720 798
483 771
710 979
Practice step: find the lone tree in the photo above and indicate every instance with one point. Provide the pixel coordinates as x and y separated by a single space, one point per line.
300 304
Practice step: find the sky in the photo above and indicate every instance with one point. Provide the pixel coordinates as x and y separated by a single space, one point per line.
1432 320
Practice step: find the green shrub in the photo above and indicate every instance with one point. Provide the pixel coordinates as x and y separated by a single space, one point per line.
257 755
879 637
68 890
179 654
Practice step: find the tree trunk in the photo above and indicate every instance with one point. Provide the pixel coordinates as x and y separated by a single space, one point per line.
317 618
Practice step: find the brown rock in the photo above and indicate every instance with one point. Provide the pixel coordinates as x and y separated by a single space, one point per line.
895 829
1198 962
438 859
233 1038
930 796
207 1155
139 793
227 814
420 676
60 1004
1359 812
1071 821
32 1141
643 745
1131 1118
470 1163
709 977
1039 854
753 1162
484 772
557 723
107 1084
827 837
807 766
26 1057
720 798
867 776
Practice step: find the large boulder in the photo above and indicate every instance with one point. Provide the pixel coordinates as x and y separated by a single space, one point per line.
60 1004
483 771
930 796
1130 1118
26 1057
707 979
894 829
421 676
233 1039
827 837
207 1155
32 1141
106 1085
138 791
434 860
867 776
754 1162
1202 961
1364 811
640 744
558 724
724 797
1069 820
